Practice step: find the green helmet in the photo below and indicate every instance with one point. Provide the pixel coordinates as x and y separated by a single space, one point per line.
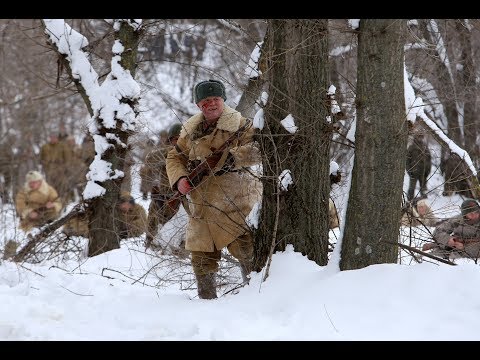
174 130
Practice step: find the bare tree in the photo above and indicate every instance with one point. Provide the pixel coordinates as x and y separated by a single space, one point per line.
374 211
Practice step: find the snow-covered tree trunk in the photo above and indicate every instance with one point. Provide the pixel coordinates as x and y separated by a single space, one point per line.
468 89
113 108
104 224
374 204
251 93
443 72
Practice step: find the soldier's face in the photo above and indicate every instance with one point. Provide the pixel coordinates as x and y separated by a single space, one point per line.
422 210
211 107
35 184
473 217
125 206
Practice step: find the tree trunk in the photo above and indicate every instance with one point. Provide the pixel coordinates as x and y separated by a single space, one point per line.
374 205
298 74
275 110
104 225
466 82
446 87
251 94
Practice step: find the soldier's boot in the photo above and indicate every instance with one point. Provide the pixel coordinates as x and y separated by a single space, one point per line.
447 190
10 249
148 241
206 286
245 269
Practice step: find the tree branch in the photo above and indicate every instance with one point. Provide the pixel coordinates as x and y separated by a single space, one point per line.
46 231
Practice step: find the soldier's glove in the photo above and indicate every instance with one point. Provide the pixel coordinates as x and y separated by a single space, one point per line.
184 186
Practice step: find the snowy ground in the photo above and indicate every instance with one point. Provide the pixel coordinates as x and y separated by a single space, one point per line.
133 294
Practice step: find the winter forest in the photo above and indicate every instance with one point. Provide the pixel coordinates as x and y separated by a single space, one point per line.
337 104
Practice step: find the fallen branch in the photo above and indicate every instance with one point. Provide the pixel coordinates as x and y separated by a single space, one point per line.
420 252
46 231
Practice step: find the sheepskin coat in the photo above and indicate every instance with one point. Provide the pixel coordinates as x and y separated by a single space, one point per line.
220 204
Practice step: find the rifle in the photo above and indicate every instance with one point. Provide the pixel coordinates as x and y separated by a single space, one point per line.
470 241
196 176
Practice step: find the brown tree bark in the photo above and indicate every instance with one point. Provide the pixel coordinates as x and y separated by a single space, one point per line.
374 211
297 63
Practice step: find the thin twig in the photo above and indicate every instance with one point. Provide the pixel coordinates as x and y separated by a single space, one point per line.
329 319
74 292
420 252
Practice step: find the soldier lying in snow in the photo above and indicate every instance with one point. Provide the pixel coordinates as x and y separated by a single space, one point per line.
459 236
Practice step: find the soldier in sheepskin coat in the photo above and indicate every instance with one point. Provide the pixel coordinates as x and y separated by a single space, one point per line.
37 203
458 236
219 205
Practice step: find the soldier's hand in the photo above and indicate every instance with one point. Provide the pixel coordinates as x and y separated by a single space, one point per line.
428 246
49 205
455 242
184 186
33 215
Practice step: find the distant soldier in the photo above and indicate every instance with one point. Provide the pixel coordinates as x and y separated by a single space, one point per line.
133 217
458 236
54 158
418 165
77 226
149 170
332 215
335 178
456 174
8 168
159 212
417 212
37 203
74 169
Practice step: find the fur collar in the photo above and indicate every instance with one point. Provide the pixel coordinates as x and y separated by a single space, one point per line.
229 121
